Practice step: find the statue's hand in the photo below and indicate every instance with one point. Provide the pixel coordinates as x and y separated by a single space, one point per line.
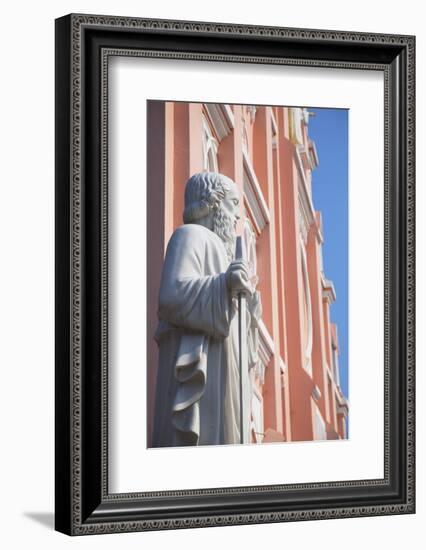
237 277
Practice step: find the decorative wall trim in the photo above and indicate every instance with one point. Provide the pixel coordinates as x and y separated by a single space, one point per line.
328 290
313 155
306 209
266 344
296 119
222 118
255 201
316 393
308 305
308 155
210 147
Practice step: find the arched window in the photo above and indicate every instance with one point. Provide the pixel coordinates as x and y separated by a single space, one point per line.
307 311
210 145
250 245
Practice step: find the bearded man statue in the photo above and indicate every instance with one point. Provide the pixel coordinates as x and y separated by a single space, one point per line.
197 391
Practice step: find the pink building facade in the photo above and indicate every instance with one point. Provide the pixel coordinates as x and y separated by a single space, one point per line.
268 153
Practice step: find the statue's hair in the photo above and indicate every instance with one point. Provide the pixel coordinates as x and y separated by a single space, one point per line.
198 190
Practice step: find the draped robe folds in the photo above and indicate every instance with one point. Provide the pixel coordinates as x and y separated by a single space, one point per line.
197 392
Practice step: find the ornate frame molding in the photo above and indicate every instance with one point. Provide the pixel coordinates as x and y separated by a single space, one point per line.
83 45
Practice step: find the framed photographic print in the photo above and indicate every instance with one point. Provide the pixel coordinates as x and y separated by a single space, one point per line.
234 274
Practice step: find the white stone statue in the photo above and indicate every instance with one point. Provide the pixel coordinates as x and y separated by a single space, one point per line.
198 382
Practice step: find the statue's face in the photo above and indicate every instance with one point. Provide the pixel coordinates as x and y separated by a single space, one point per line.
231 205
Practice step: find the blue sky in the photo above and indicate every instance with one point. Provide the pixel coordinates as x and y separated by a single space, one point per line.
329 130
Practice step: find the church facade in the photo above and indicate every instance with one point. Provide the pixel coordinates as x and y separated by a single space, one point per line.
267 152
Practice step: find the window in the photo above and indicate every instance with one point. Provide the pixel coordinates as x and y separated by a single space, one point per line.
210 145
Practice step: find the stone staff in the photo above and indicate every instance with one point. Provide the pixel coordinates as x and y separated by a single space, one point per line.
240 254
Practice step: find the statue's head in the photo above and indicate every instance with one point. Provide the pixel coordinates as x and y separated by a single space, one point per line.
212 200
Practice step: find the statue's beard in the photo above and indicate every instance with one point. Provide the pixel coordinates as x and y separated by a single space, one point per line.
224 227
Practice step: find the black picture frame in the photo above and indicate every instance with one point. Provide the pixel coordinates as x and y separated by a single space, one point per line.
83 504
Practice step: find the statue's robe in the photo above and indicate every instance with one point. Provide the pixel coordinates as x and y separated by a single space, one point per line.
197 391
